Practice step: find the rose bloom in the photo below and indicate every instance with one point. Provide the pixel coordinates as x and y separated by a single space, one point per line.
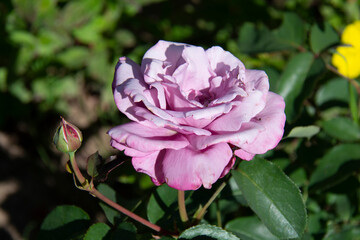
347 58
192 111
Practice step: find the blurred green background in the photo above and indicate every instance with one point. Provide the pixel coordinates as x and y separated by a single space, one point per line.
57 59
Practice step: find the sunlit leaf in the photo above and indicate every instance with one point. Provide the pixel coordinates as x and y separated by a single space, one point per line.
292 81
303 132
264 186
205 231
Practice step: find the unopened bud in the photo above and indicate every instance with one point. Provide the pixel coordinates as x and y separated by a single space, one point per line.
68 137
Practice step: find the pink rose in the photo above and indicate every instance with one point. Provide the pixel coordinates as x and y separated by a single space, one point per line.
191 111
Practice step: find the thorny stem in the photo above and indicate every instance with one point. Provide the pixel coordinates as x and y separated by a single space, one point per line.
85 185
182 208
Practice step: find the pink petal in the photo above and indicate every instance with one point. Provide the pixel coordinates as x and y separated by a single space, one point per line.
145 139
188 169
228 167
147 165
223 62
167 52
256 80
243 111
195 73
247 134
125 69
244 155
272 119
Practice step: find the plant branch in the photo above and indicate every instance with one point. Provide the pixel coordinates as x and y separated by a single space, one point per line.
123 210
85 185
182 208
202 212
76 169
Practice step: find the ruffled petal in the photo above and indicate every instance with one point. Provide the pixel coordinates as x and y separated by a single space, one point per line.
145 139
167 52
272 119
242 112
246 134
125 70
146 164
188 169
195 73
223 62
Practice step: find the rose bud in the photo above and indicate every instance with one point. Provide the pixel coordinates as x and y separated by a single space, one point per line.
68 137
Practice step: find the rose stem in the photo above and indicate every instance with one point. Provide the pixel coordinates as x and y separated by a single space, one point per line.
201 214
123 210
76 169
182 208
90 188
218 213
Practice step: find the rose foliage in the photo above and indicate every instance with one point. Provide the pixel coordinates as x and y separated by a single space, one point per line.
192 112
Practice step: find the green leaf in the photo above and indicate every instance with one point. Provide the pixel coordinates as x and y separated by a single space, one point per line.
78 13
343 206
303 132
124 230
94 162
64 222
348 232
23 38
205 230
331 162
292 81
334 90
254 39
74 57
322 37
292 31
97 231
341 128
265 186
110 213
19 90
249 228
3 78
162 206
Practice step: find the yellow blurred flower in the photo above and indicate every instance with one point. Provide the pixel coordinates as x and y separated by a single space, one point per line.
347 58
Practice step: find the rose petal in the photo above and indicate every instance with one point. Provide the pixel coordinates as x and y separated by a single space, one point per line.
272 119
223 62
147 165
188 169
146 139
167 52
125 69
247 133
243 111
244 155
195 73
256 80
